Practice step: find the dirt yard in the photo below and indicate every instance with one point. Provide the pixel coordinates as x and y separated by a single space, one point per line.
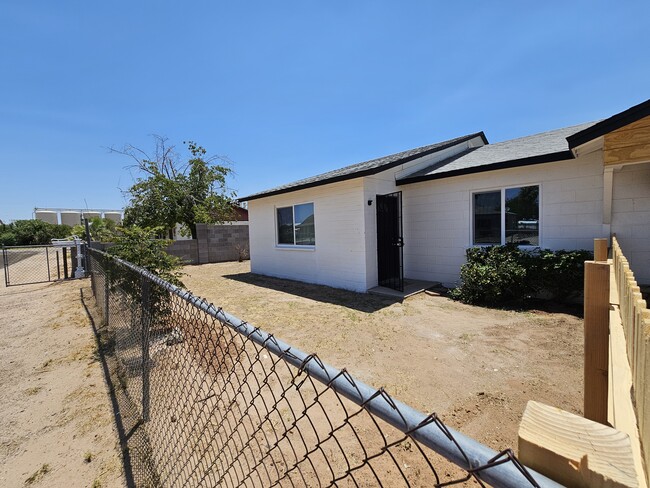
475 367
57 426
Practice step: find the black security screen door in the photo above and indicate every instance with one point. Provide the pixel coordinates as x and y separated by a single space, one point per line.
389 240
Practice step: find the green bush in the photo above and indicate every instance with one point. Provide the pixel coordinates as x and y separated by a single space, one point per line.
7 239
499 275
140 247
33 232
559 273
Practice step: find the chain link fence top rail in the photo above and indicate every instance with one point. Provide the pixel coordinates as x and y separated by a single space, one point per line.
224 403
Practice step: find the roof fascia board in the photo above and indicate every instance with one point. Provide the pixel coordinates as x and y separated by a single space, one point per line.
515 163
360 174
606 126
589 147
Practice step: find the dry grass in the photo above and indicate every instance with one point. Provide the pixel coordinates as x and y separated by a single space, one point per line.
435 354
38 474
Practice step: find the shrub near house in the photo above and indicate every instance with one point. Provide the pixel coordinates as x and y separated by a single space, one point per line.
498 275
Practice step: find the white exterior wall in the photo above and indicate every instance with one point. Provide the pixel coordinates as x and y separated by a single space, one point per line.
374 185
631 217
338 259
384 182
437 213
437 221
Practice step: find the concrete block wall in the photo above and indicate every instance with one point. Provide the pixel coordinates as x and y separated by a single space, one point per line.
337 259
213 244
225 242
186 250
202 243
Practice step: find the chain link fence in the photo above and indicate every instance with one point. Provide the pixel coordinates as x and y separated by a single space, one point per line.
219 402
36 264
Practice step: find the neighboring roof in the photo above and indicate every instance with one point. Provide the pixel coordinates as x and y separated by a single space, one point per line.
614 122
241 214
364 169
539 148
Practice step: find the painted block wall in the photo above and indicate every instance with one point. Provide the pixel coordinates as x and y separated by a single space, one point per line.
631 217
436 222
338 259
384 182
437 214
374 185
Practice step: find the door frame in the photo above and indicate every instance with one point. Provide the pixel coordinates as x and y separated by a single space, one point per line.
390 242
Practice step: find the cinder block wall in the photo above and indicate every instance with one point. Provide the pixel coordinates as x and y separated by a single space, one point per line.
186 250
213 244
218 243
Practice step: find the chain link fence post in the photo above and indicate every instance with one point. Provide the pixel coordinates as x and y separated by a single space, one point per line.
106 299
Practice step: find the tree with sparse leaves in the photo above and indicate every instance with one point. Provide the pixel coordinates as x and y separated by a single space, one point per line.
168 192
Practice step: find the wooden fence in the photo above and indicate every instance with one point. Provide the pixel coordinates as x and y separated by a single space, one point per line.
610 446
635 319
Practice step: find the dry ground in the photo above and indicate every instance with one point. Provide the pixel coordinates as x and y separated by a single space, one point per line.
475 367
57 426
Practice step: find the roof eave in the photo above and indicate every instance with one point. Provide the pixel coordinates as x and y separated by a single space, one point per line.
514 163
614 122
312 184
361 174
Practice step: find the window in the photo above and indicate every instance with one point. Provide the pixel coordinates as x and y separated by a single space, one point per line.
296 225
507 216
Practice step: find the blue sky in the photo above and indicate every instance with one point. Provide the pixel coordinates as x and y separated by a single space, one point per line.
291 89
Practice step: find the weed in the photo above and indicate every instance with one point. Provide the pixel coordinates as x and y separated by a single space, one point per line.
38 475
465 338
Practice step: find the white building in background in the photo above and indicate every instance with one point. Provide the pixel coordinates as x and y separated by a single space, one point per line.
74 216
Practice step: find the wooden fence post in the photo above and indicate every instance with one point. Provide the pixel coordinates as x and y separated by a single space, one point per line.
596 317
600 250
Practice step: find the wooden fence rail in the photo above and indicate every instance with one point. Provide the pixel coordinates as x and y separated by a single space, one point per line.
635 318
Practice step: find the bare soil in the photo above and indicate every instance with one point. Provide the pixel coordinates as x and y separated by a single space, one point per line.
475 367
57 426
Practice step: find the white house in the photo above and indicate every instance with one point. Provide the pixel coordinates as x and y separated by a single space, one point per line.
413 214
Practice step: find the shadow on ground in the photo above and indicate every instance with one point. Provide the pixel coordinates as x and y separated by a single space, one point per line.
133 440
362 302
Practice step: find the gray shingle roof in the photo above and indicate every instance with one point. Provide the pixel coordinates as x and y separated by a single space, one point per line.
538 148
363 169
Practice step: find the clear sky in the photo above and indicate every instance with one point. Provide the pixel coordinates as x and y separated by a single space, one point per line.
289 89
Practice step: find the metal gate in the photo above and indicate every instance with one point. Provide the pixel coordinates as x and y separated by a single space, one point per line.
24 265
390 241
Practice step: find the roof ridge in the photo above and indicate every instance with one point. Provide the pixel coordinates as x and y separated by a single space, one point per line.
550 131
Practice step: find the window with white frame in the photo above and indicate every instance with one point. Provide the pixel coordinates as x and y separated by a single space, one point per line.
509 215
295 225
